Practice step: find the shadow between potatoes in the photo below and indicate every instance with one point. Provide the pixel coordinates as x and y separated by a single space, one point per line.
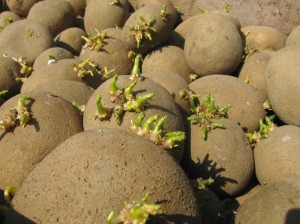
16 218
293 216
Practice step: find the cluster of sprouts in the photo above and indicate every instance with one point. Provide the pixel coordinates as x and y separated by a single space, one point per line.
136 212
17 116
96 42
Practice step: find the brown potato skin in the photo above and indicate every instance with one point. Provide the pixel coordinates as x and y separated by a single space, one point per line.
247 101
111 15
263 38
71 40
54 120
20 7
277 202
99 176
282 81
167 58
213 45
60 17
226 156
277 157
293 37
163 29
7 15
25 38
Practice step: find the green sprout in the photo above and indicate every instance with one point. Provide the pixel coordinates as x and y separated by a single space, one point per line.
135 212
9 20
18 116
136 70
102 112
96 42
204 111
82 70
142 30
128 90
9 193
247 79
26 69
266 126
226 7
106 73
80 108
115 2
137 105
248 50
114 91
203 183
155 131
203 11
3 93
194 77
29 32
164 13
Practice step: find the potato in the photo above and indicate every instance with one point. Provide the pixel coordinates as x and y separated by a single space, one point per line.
7 18
115 33
112 55
100 14
70 90
156 28
92 184
161 104
282 81
214 45
167 58
71 40
25 38
56 52
253 70
277 203
247 101
226 156
263 38
62 70
250 193
293 37
174 83
10 70
54 120
57 15
78 6
277 157
20 7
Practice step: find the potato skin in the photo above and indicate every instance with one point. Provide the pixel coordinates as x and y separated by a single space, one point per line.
54 120
7 15
294 37
213 45
247 101
18 39
226 156
20 7
277 157
282 81
111 15
277 202
162 34
93 186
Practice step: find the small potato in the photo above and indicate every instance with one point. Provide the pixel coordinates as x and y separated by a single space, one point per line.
101 14
167 58
277 157
25 38
213 45
283 81
294 37
263 38
7 18
71 40
57 15
20 7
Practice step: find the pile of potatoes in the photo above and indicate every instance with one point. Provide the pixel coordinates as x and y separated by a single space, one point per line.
97 109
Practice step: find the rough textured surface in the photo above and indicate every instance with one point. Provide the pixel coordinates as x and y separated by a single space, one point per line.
294 37
20 7
278 156
282 15
213 45
87 177
54 120
277 203
226 156
283 81
247 101
167 58
25 38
